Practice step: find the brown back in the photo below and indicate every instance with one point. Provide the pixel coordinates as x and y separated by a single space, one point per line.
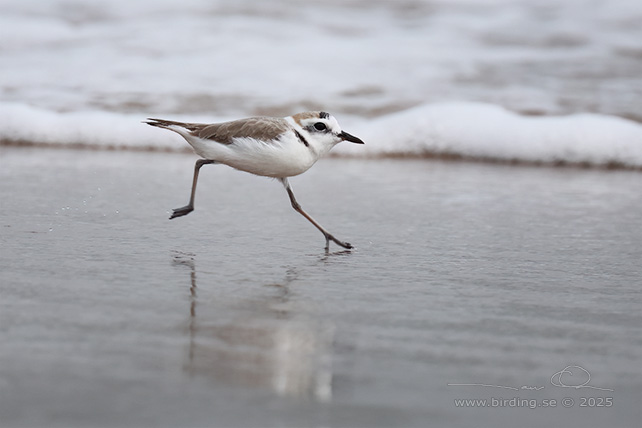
260 128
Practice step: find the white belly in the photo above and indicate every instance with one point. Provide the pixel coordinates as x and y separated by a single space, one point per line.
283 158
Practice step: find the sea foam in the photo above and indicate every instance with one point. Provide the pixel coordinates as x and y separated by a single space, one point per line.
464 130
489 132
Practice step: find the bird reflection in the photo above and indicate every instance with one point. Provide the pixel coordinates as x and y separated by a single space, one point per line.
261 342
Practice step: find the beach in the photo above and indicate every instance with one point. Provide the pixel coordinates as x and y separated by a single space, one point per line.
468 281
494 209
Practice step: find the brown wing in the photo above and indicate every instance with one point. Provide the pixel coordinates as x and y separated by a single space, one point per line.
260 128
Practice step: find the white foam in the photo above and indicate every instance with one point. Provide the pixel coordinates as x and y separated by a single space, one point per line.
28 125
469 130
484 131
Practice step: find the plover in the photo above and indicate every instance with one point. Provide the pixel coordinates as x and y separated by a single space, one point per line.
267 146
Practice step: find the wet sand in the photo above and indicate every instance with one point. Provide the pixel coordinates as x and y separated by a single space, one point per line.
496 277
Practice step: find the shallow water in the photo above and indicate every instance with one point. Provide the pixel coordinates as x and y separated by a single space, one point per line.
464 273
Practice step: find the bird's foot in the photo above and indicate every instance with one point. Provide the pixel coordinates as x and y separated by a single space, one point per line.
178 212
345 245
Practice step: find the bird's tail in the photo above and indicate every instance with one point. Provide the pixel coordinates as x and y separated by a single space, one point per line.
174 126
189 131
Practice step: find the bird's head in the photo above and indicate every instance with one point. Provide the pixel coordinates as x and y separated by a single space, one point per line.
322 129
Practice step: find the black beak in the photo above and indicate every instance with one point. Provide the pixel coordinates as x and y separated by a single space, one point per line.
347 137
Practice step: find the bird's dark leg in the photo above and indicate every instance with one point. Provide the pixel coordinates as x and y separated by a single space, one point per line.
297 207
177 212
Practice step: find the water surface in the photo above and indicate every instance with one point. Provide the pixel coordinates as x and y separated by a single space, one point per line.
112 315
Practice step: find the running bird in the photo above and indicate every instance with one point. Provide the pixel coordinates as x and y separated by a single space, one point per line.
268 146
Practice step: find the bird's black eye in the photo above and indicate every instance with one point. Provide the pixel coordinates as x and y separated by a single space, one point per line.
320 126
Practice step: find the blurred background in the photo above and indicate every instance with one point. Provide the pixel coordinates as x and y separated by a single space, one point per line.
114 63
